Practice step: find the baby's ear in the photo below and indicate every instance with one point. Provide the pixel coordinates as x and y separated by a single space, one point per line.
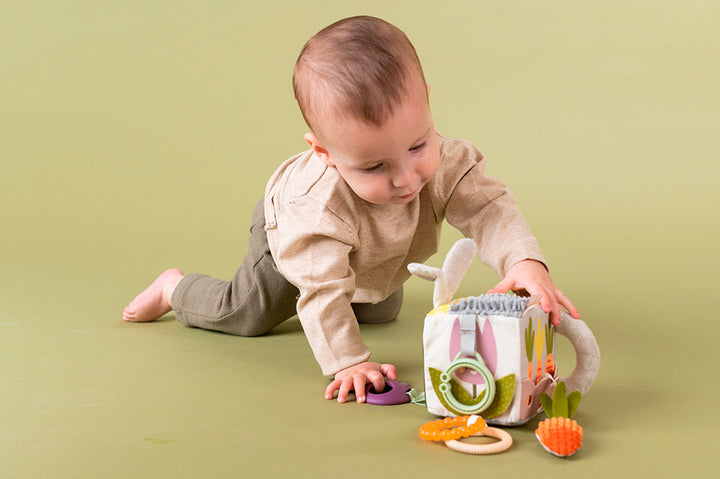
318 149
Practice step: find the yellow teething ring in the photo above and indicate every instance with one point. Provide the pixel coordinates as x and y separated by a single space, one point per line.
479 449
452 428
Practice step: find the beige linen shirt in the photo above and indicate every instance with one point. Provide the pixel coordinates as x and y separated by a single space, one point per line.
337 248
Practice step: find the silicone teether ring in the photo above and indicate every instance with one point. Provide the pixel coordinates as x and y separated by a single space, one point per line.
396 392
475 364
482 449
451 428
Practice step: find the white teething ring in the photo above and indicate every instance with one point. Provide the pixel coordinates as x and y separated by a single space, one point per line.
482 449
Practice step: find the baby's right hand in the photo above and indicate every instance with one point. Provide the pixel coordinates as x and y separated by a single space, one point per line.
357 377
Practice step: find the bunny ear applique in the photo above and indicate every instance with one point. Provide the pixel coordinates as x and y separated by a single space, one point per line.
488 348
484 344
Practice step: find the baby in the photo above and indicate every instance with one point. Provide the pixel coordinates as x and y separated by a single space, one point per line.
340 222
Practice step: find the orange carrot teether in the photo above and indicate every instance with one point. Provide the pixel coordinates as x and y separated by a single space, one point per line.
559 434
451 428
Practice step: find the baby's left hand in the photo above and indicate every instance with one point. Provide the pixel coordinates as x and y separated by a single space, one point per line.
532 276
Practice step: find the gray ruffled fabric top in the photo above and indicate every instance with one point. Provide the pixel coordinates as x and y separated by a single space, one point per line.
494 303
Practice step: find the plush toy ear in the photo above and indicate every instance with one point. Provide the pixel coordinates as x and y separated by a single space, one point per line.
458 261
424 271
456 264
435 275
447 280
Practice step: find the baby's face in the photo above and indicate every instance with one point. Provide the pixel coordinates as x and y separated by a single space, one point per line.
390 164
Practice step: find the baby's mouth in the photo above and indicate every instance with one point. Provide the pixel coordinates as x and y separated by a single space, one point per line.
409 195
414 192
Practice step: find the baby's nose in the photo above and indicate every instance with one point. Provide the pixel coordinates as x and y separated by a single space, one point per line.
403 177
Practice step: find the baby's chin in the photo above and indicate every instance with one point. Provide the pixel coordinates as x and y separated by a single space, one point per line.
390 201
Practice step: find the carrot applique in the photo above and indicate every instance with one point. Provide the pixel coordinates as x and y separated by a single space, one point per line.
529 342
549 345
559 434
539 340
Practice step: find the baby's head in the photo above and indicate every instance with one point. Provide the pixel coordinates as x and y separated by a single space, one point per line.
362 92
358 67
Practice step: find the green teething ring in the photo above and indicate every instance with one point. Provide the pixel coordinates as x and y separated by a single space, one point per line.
476 364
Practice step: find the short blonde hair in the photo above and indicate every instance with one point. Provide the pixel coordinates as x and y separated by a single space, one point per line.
359 66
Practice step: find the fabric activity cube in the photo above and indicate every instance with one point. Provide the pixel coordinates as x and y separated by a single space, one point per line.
494 354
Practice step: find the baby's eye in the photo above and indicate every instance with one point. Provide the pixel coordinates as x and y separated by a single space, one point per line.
418 147
372 168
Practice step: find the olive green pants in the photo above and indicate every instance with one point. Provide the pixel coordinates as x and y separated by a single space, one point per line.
258 297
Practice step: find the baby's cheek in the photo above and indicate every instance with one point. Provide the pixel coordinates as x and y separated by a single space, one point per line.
428 171
371 193
380 193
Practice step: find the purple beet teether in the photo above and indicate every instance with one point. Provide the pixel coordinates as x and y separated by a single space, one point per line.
396 392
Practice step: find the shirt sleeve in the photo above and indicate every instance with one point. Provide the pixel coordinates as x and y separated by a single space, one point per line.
484 208
313 254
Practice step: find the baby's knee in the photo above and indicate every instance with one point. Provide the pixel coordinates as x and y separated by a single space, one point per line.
374 318
235 323
253 321
382 312
250 329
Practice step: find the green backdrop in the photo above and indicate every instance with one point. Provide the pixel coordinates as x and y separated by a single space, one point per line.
137 135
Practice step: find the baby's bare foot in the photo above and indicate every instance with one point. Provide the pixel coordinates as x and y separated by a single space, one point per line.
155 300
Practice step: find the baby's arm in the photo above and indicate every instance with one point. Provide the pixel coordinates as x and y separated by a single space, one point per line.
313 250
532 276
493 219
357 377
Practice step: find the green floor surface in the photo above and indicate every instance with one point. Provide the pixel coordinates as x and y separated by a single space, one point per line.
136 136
